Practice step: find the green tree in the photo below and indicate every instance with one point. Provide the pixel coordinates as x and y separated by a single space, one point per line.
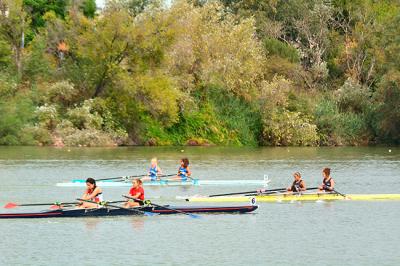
98 48
14 22
89 8
38 8
388 109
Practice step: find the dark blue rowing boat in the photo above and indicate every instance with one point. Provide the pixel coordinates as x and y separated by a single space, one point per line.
107 211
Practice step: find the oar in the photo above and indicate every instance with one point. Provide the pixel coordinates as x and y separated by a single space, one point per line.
120 177
161 180
255 192
111 178
273 191
58 206
343 195
11 205
189 214
195 180
106 203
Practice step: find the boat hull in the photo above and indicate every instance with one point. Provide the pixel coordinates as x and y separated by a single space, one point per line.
304 197
106 212
195 182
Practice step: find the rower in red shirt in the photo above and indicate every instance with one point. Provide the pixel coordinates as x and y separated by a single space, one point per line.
136 192
92 193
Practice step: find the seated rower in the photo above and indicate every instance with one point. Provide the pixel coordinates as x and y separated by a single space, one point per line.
183 172
154 171
136 192
328 184
298 184
92 193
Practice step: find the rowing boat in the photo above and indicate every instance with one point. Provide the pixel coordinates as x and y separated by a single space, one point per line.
283 197
108 211
194 182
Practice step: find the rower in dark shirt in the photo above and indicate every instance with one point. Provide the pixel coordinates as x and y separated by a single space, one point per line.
328 184
298 184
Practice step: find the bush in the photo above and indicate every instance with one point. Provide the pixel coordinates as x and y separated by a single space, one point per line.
47 116
340 128
281 49
5 54
351 129
8 86
38 62
240 118
62 92
289 129
88 137
15 114
83 118
353 97
35 135
387 98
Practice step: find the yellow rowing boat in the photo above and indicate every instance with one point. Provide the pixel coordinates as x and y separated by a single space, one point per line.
284 197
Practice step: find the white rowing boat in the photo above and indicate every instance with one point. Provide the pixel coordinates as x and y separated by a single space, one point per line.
193 182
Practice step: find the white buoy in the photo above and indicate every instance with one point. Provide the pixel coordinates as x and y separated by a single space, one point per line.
390 150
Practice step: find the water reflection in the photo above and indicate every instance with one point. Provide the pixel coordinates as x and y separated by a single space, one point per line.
91 223
137 223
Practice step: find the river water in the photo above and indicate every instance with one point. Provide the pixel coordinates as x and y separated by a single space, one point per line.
335 233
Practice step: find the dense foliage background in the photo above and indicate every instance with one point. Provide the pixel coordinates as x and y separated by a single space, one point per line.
229 72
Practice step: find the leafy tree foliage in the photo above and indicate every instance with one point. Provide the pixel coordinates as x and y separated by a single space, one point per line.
239 72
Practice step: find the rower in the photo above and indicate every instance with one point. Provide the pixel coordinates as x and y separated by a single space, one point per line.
298 184
154 171
92 193
328 184
136 192
183 172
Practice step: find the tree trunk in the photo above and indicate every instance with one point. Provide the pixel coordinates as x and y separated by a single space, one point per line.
18 61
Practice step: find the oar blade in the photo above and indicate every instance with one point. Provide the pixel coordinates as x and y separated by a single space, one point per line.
10 205
150 213
194 216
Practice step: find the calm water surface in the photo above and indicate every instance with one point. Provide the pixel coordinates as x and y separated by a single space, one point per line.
336 233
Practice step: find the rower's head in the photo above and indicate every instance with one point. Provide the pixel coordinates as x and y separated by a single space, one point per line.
326 172
297 176
90 183
153 161
137 182
185 162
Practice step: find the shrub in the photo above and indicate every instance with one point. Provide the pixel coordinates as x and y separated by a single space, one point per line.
289 129
83 118
353 97
35 135
88 137
351 129
387 98
340 128
38 62
8 86
281 49
15 113
47 116
62 92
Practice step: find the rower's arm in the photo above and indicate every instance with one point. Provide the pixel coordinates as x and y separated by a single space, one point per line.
136 196
332 187
94 194
303 187
189 173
